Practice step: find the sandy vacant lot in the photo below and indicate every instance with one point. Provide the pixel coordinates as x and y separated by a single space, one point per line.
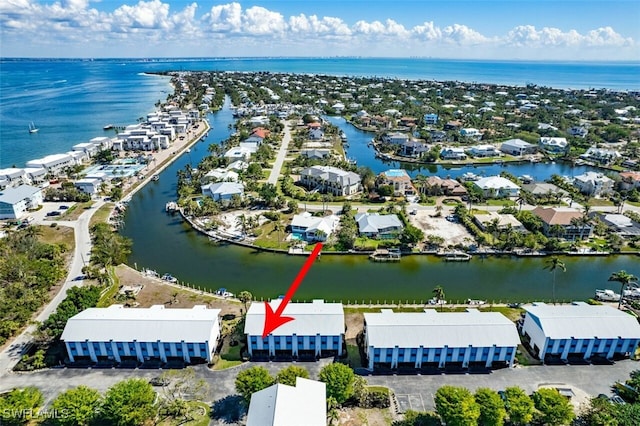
158 292
453 233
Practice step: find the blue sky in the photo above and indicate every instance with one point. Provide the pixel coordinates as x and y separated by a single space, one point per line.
481 29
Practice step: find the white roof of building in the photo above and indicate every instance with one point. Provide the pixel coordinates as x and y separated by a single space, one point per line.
12 172
327 224
332 174
372 222
592 177
313 318
582 321
226 188
284 405
433 329
15 195
142 324
49 160
495 182
519 143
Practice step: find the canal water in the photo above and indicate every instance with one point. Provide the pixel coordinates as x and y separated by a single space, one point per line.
166 244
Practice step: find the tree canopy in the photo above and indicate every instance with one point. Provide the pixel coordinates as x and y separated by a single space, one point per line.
553 408
289 375
129 403
492 411
339 379
80 406
456 406
519 406
252 380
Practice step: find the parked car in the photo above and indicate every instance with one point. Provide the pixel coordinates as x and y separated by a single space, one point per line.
63 207
159 381
54 213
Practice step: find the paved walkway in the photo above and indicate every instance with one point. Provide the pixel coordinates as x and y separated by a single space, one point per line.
282 153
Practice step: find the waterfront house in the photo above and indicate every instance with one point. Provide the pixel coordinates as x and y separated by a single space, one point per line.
629 180
316 134
561 222
53 164
602 156
121 334
284 405
517 147
395 138
453 153
316 154
239 153
15 202
238 165
503 221
13 177
413 148
437 136
593 184
88 148
620 224
223 191
37 175
316 331
330 179
548 191
579 330
221 175
434 339
374 225
89 186
400 181
497 187
313 228
553 145
481 151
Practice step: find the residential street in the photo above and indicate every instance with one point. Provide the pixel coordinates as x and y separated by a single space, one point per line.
282 153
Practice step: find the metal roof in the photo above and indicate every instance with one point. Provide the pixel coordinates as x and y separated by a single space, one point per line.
373 222
326 319
15 195
142 324
582 321
432 329
284 405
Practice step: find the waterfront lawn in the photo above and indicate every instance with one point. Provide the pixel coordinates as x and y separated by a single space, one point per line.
268 237
364 243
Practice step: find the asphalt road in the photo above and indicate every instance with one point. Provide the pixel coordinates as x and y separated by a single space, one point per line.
282 153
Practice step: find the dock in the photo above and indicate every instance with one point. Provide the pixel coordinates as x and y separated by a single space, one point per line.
382 255
456 256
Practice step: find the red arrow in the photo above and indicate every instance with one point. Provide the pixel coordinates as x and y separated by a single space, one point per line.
273 320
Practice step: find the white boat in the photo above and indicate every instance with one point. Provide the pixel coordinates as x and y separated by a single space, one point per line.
607 295
457 256
156 177
33 128
632 291
468 177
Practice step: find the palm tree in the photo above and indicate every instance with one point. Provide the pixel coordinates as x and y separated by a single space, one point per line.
438 294
278 228
552 264
245 297
624 279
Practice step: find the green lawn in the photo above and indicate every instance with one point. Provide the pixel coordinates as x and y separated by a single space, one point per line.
101 215
269 238
230 357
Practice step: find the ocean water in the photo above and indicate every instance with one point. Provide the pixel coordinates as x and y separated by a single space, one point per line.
71 100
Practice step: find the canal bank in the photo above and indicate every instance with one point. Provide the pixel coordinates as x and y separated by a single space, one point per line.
168 244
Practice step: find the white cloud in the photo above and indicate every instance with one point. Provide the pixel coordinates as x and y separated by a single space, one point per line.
226 17
143 24
528 36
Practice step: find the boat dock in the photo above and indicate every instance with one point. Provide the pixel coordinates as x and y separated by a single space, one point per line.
382 255
456 256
